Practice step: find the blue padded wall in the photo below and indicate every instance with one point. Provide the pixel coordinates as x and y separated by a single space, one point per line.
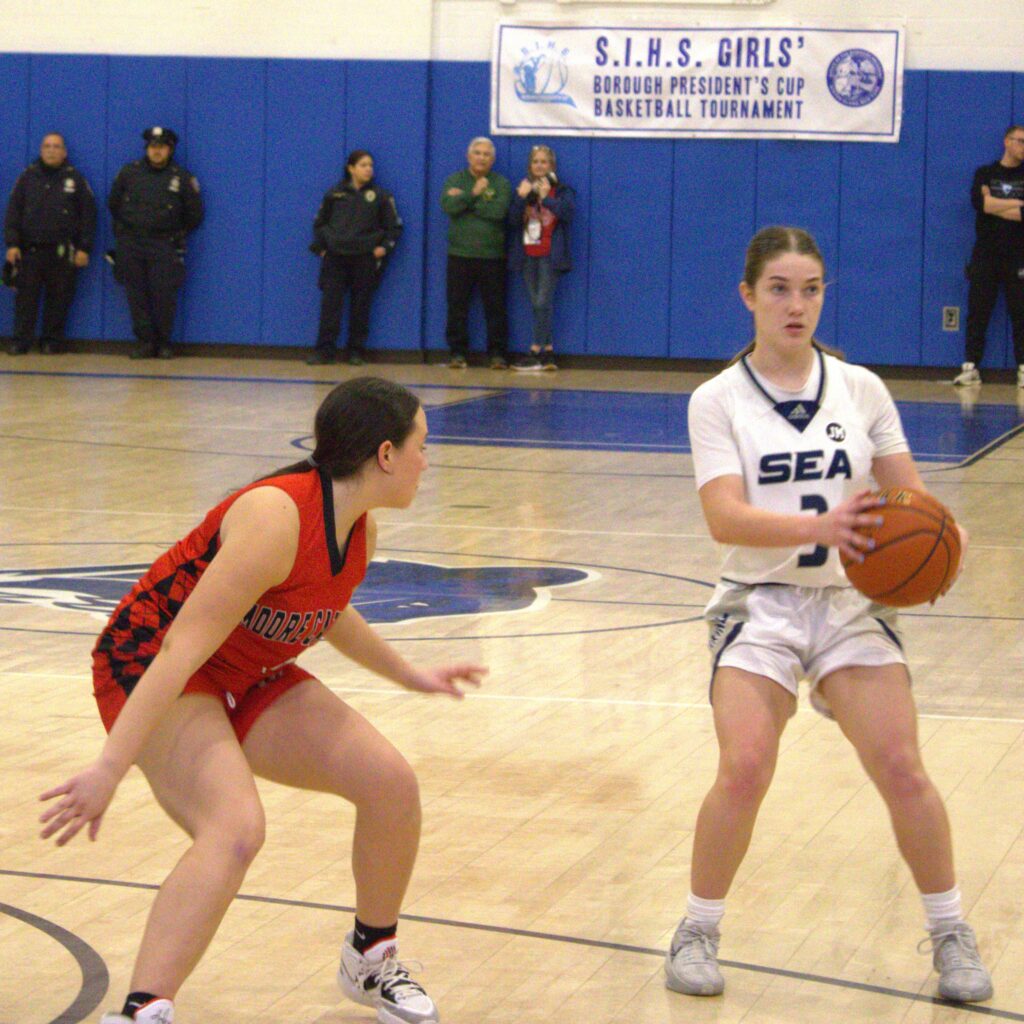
14 144
877 296
225 118
660 227
631 248
714 193
306 122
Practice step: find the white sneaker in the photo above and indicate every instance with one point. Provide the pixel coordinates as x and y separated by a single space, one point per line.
962 976
1020 375
967 376
691 964
383 981
159 1011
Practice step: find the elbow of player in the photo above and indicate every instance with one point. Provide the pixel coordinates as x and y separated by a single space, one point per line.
722 532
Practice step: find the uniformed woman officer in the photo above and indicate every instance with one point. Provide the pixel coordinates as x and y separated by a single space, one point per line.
356 229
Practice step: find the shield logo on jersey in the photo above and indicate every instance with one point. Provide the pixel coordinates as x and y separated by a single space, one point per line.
836 432
395 590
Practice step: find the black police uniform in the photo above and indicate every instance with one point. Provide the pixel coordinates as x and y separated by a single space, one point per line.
154 208
997 261
51 214
349 225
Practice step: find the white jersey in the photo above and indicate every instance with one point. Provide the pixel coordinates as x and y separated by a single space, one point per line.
796 452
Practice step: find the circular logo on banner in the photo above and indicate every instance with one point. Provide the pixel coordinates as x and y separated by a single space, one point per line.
855 77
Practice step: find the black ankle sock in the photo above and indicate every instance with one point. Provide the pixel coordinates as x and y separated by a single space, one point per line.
364 936
135 1001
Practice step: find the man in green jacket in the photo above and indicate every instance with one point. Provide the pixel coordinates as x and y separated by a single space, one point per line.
476 201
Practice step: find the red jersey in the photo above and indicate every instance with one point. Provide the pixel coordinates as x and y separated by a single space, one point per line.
284 621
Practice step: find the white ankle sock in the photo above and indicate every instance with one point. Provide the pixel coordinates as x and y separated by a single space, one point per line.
942 908
705 914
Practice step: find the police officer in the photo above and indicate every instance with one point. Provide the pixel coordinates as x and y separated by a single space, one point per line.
155 203
48 231
356 228
997 261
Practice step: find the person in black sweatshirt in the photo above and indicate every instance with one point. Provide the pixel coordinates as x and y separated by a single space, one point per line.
997 261
355 230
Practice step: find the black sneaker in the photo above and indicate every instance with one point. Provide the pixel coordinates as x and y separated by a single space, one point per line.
319 358
530 363
19 349
165 352
356 359
142 352
547 360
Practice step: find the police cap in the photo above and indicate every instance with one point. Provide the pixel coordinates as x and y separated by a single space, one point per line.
156 134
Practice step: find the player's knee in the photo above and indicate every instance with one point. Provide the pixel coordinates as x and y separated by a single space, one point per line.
746 774
243 834
900 774
399 785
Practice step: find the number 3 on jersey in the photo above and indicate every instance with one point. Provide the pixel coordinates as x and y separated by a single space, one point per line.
816 503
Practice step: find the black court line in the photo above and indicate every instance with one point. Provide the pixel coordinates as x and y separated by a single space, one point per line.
575 940
985 450
95 977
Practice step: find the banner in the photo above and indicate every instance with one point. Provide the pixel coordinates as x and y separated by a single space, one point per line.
743 82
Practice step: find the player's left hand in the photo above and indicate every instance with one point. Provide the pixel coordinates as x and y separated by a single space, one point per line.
446 679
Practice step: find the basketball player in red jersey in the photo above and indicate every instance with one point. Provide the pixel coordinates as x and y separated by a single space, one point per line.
196 682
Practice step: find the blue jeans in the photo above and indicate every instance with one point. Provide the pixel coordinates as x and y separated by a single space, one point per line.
540 285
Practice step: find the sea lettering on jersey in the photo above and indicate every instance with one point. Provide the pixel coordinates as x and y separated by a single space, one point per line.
783 467
289 627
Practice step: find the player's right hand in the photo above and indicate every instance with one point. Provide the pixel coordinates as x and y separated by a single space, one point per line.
841 526
84 800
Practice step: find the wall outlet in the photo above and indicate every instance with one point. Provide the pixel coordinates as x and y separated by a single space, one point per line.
951 318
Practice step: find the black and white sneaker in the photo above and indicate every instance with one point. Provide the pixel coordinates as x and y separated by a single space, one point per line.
530 363
382 981
159 1011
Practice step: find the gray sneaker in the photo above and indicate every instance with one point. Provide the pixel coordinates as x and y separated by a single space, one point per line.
691 964
962 975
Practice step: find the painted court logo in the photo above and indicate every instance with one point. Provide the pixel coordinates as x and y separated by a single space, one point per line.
855 78
542 74
394 590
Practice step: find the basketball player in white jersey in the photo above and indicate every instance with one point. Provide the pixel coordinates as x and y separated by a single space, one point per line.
786 443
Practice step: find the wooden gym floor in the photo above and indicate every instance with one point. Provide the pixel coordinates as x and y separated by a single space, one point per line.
559 802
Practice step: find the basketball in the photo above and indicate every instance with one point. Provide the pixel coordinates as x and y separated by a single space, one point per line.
916 553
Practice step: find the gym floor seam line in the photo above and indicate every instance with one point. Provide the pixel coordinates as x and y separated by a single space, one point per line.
95 976
616 947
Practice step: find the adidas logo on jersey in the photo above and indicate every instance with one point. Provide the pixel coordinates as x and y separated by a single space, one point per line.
798 412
